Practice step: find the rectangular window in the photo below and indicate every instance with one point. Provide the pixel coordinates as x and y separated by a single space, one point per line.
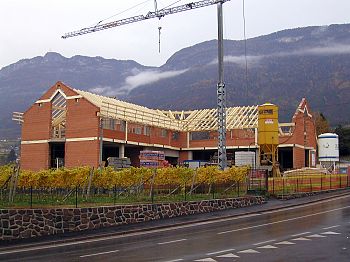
137 130
147 131
175 135
200 135
163 133
108 123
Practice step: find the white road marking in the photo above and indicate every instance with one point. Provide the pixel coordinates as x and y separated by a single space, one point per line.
330 233
264 242
175 260
268 247
305 205
172 241
301 239
285 243
315 236
218 252
331 227
208 259
282 221
229 255
98 254
248 251
300 234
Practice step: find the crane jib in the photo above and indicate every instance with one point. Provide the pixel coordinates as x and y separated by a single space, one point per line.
157 14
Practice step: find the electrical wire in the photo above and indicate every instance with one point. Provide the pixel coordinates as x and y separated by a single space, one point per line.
245 48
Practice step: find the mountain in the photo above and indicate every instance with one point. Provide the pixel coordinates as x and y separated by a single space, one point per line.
283 67
22 83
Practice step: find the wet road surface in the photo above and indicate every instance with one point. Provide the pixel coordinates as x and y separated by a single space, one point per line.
313 232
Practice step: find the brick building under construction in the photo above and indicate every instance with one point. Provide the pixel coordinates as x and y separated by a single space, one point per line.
75 126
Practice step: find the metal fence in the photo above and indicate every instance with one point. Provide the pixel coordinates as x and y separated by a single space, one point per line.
80 197
309 183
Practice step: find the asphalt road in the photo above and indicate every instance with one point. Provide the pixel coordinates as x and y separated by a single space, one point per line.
317 231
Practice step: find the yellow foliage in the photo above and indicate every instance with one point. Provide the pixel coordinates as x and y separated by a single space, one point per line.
5 173
208 175
128 177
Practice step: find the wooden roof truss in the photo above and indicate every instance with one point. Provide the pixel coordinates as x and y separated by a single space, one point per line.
58 115
195 120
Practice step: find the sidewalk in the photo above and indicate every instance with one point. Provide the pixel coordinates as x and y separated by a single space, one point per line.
272 204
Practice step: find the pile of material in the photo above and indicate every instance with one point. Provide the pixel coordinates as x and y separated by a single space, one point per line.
306 171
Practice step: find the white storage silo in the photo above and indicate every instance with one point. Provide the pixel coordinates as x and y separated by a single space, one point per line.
328 149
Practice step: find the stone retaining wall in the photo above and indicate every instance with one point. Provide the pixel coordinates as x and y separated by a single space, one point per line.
26 223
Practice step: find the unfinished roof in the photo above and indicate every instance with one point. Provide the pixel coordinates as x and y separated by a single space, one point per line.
194 120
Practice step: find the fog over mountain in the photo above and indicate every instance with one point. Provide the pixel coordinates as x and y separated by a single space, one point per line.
283 67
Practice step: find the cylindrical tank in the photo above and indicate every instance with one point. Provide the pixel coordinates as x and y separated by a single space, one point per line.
268 124
328 147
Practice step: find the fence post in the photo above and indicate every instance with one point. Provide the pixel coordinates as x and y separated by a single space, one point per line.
213 190
283 185
273 185
76 196
297 185
114 194
321 183
310 182
31 196
330 182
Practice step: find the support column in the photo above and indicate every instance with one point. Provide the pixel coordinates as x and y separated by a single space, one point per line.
221 95
121 150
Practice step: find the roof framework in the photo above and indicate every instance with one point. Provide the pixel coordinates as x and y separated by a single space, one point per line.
194 120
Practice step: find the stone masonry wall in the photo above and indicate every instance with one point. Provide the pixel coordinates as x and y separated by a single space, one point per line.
26 223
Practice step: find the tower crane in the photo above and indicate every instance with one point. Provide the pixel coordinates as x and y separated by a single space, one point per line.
221 94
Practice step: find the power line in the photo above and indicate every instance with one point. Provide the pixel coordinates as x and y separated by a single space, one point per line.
245 47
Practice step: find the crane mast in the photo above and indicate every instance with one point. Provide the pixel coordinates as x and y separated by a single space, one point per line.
221 94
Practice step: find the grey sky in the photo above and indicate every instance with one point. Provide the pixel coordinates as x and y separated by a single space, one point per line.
33 27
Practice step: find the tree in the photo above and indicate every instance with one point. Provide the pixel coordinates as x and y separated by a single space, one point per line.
344 140
321 123
11 157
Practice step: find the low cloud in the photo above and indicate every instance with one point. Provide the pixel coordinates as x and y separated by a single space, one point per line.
103 90
147 77
139 78
327 50
240 60
252 60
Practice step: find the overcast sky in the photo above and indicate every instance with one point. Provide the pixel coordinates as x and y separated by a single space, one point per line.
32 28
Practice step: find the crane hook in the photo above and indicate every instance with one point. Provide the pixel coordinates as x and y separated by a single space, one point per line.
159 28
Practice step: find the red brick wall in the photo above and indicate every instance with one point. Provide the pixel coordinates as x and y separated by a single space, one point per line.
183 156
113 134
37 122
59 85
82 153
298 157
82 119
35 156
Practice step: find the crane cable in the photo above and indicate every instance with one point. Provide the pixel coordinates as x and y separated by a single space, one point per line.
245 48
159 24
124 11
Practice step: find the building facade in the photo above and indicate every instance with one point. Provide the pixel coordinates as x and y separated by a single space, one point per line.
70 127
